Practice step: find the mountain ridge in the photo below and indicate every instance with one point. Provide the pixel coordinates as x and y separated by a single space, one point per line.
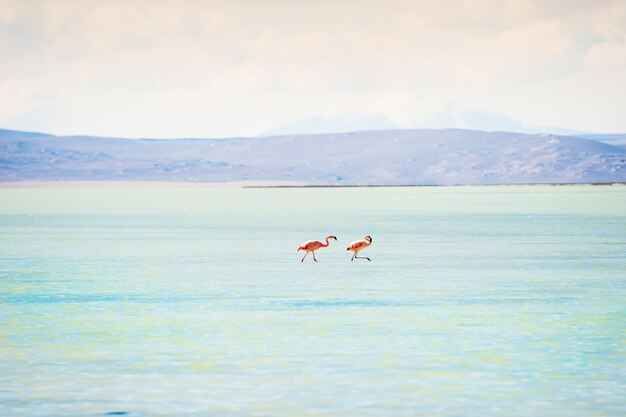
386 157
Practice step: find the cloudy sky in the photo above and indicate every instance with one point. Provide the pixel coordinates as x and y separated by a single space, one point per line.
149 68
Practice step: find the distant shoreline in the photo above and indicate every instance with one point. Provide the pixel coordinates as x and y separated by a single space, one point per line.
144 184
252 184
564 184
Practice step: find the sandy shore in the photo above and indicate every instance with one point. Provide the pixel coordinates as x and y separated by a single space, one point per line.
246 184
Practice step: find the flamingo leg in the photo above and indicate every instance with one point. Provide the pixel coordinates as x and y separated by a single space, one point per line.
362 257
353 255
314 256
304 256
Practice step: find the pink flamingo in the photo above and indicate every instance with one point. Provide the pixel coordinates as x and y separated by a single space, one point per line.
312 246
358 246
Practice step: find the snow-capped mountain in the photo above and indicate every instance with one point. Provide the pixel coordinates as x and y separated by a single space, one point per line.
391 157
446 116
454 116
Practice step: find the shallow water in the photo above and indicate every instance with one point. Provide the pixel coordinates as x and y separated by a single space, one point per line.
156 302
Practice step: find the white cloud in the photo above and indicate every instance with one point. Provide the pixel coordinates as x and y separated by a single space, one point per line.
607 55
198 68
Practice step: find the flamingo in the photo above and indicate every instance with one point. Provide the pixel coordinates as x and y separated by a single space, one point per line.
358 246
312 246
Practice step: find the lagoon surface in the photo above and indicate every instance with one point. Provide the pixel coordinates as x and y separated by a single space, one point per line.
479 301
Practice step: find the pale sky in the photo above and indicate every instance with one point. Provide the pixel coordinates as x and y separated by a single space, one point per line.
137 68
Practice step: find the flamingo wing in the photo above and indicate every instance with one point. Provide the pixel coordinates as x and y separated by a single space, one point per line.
311 245
358 245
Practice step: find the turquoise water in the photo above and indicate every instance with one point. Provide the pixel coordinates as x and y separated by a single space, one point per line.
479 301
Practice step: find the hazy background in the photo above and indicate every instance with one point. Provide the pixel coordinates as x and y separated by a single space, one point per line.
240 67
